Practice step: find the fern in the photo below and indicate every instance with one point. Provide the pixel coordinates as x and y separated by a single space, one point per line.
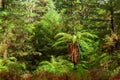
66 35
56 66
10 64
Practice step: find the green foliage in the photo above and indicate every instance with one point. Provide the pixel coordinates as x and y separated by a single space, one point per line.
33 30
79 73
45 31
2 67
56 66
83 38
11 65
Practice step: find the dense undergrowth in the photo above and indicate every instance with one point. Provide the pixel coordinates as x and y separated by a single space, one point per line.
55 69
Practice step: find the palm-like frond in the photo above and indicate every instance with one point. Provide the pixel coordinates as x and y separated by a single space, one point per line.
85 34
58 42
83 38
65 35
62 38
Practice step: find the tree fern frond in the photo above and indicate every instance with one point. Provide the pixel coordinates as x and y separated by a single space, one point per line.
86 34
58 43
63 35
88 40
64 39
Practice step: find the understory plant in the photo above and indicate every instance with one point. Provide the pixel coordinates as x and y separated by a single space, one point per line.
11 65
80 43
61 69
55 65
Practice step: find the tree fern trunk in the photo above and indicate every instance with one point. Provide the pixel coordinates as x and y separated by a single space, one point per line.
73 50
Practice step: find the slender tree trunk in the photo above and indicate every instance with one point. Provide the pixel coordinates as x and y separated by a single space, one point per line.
5 54
112 20
112 16
0 3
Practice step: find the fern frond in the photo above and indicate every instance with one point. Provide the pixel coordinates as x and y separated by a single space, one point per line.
62 38
84 44
86 34
58 43
47 64
66 35
88 40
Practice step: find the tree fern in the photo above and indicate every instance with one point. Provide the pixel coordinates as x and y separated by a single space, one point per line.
84 39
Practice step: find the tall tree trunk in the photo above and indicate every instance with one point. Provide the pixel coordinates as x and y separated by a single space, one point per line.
5 54
0 3
112 20
112 16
